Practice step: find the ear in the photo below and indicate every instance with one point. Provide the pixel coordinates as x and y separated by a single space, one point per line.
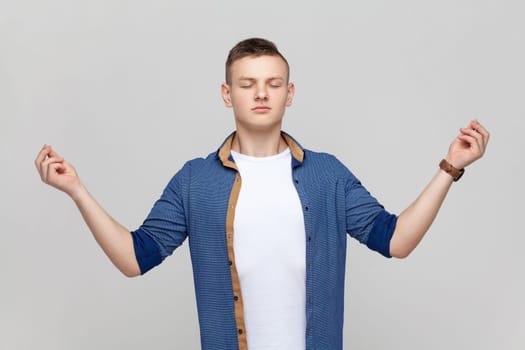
226 96
291 92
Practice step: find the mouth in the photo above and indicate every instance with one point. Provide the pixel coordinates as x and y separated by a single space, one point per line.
261 109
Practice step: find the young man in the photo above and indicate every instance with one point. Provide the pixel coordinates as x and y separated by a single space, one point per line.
267 220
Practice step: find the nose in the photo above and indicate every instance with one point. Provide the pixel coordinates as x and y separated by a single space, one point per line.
261 93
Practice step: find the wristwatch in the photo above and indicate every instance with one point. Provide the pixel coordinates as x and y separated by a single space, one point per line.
451 170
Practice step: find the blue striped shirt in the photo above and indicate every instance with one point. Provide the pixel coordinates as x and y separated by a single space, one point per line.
199 203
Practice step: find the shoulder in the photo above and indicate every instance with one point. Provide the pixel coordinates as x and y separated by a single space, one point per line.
200 165
326 161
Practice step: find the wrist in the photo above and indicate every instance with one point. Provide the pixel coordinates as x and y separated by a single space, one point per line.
450 169
78 193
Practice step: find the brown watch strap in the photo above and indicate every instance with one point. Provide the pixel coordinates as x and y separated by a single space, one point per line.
451 170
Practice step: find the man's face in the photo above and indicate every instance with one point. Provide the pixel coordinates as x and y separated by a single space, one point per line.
259 92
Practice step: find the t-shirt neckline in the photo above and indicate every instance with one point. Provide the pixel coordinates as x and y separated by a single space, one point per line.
245 157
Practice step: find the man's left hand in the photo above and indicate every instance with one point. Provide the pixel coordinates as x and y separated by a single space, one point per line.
469 146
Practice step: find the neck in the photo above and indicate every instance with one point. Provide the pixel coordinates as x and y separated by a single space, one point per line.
258 144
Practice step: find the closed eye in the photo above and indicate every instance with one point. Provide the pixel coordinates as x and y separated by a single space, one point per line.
276 82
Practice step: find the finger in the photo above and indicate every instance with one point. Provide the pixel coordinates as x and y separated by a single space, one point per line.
481 129
67 166
472 143
46 151
474 134
41 156
45 165
52 170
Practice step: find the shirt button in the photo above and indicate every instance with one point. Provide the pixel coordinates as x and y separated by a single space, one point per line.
309 238
235 298
306 208
296 181
230 262
240 331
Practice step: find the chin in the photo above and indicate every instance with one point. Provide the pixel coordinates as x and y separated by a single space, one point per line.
261 127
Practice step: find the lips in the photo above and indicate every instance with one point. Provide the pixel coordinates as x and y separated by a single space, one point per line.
261 109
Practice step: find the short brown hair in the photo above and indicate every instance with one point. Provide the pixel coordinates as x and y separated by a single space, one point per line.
252 47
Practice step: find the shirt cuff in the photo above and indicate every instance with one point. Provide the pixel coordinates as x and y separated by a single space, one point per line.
147 251
381 233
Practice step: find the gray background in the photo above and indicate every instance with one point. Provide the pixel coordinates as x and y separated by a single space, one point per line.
129 90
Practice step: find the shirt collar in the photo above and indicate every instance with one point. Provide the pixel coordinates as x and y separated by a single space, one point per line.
224 151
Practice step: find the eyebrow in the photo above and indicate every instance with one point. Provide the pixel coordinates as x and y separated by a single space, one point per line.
254 79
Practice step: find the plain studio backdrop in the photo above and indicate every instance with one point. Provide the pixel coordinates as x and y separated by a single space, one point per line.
130 90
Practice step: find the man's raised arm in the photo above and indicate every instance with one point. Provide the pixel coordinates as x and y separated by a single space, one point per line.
113 238
414 221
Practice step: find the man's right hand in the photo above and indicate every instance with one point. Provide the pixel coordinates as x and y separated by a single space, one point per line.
113 238
57 172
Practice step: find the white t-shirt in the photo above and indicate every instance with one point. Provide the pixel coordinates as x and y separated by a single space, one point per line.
269 244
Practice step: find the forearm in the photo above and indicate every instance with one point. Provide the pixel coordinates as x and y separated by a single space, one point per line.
414 221
114 239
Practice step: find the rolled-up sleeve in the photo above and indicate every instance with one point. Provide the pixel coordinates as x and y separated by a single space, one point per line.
165 227
366 218
381 233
